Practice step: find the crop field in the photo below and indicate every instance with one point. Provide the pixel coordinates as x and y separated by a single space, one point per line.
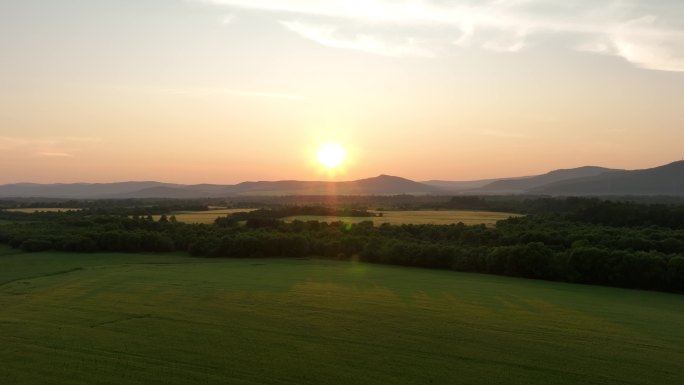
419 217
205 217
171 319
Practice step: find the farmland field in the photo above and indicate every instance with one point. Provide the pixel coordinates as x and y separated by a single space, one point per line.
418 217
170 319
205 217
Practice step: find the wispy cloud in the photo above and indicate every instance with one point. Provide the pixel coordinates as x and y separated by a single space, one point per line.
55 154
505 134
50 147
640 42
330 36
648 34
9 143
83 139
228 19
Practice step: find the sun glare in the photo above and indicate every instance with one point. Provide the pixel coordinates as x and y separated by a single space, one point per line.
331 155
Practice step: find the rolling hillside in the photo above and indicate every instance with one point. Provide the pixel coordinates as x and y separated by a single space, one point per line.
663 180
380 185
512 186
588 180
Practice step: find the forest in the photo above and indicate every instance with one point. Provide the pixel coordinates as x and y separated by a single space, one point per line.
582 240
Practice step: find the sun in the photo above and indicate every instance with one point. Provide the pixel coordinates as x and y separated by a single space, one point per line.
331 155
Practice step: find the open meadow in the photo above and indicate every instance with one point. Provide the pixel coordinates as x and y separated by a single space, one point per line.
171 319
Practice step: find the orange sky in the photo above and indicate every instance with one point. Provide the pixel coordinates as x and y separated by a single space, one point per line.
226 91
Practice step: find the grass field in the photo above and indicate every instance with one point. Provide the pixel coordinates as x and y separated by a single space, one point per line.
420 217
171 319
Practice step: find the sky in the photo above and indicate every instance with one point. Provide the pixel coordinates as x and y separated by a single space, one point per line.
223 91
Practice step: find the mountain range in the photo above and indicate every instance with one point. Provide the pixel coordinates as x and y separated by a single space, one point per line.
587 180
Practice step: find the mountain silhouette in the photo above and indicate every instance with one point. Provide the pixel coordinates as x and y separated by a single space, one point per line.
519 185
663 180
588 180
380 185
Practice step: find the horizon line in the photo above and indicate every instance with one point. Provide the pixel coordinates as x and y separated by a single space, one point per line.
332 181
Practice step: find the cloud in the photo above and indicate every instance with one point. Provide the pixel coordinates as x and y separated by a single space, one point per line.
49 147
55 154
505 134
646 33
330 36
228 19
9 143
640 42
83 139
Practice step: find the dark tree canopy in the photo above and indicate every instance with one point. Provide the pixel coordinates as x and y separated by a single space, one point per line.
576 240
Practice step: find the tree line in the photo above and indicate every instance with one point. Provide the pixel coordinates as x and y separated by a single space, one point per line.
586 241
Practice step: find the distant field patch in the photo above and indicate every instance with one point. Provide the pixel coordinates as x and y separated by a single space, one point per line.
422 217
169 319
43 210
205 217
418 217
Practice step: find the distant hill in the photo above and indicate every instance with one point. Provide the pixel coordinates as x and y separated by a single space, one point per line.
77 190
380 185
589 180
519 185
180 192
663 180
459 186
386 184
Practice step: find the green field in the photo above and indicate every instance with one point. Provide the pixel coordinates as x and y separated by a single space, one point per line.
170 319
